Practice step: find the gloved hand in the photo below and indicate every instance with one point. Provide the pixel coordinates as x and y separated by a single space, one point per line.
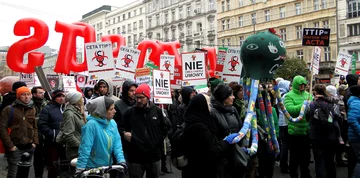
231 137
78 172
123 164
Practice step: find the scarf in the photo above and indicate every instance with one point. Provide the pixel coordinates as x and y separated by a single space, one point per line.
28 105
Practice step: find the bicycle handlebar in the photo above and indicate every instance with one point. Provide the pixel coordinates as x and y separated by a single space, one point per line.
101 170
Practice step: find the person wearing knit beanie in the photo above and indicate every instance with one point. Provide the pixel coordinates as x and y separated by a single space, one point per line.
57 93
142 95
222 92
143 89
17 85
215 83
21 91
331 90
73 97
9 98
352 79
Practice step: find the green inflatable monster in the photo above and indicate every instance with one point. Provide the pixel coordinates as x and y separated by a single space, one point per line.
262 53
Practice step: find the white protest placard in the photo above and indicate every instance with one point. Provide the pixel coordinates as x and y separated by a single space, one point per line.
232 66
81 80
193 69
162 90
29 79
126 63
100 60
167 63
36 81
69 83
343 63
143 75
316 60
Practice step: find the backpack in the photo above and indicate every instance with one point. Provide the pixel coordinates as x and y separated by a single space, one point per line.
324 122
323 114
177 148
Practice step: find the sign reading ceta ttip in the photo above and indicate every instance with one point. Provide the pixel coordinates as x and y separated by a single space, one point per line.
126 62
193 69
232 66
162 90
100 60
167 63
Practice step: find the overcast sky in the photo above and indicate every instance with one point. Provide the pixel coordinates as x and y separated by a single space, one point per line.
49 11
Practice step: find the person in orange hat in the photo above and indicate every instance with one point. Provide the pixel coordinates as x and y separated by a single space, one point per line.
20 118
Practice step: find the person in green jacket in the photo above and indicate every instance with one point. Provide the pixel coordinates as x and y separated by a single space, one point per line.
299 140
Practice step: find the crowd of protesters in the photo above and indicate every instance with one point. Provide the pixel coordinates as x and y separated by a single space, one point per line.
101 129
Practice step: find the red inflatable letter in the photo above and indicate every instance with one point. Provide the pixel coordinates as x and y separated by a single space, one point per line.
118 39
65 63
211 60
156 51
171 48
14 58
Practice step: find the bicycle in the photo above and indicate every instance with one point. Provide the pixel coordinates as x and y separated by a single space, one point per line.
113 171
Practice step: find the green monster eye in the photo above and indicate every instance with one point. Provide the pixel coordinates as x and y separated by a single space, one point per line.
252 46
282 44
272 48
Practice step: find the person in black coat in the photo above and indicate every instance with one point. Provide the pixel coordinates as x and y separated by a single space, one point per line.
49 125
9 98
203 149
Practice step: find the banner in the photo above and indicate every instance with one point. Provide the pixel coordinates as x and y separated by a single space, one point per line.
353 63
54 81
143 75
81 80
127 62
221 56
316 37
167 63
232 66
29 79
100 60
162 90
176 83
90 83
342 64
193 69
69 83
316 60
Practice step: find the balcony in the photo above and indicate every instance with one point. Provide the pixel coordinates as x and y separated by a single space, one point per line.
327 65
189 35
173 27
349 40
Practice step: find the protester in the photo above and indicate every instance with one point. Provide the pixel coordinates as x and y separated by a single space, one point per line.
127 100
73 120
20 118
202 147
144 129
105 88
10 97
49 125
100 137
186 94
239 102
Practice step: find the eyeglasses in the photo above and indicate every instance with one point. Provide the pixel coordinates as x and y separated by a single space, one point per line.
140 97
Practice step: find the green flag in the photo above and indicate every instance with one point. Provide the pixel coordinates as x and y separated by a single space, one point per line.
353 63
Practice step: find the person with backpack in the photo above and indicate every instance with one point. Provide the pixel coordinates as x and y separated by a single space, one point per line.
23 137
323 116
144 129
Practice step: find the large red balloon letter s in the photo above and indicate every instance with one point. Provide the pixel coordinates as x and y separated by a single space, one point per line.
156 51
14 58
67 47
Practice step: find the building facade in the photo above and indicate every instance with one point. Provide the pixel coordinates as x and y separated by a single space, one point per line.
192 22
237 19
128 21
349 27
50 62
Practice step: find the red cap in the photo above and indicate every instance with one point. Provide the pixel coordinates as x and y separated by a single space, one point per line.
143 89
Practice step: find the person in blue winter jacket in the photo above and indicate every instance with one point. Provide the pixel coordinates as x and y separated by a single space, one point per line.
100 138
353 117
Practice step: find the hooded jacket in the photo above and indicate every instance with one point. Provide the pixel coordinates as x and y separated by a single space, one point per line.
49 120
110 93
148 130
293 102
185 94
8 99
122 105
352 80
284 87
354 119
99 138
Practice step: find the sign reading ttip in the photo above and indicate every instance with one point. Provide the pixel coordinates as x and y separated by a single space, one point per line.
316 37
193 69
100 61
162 90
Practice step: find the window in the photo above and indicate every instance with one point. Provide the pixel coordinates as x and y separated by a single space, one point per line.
223 24
211 24
157 19
149 22
166 34
323 4
327 53
267 15
298 32
316 25
242 40
124 17
166 17
223 6
298 8
241 3
353 8
223 42
282 12
199 27
189 30
113 31
173 34
123 29
253 18
229 42
325 24
118 18
149 7
141 36
211 5
141 23
129 15
316 5
300 54
166 3
283 34
198 8
188 9
135 39
241 21
228 4
354 29
129 27
180 13
135 12
228 23
173 15
158 36
129 40
140 10
134 25
109 32
118 30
